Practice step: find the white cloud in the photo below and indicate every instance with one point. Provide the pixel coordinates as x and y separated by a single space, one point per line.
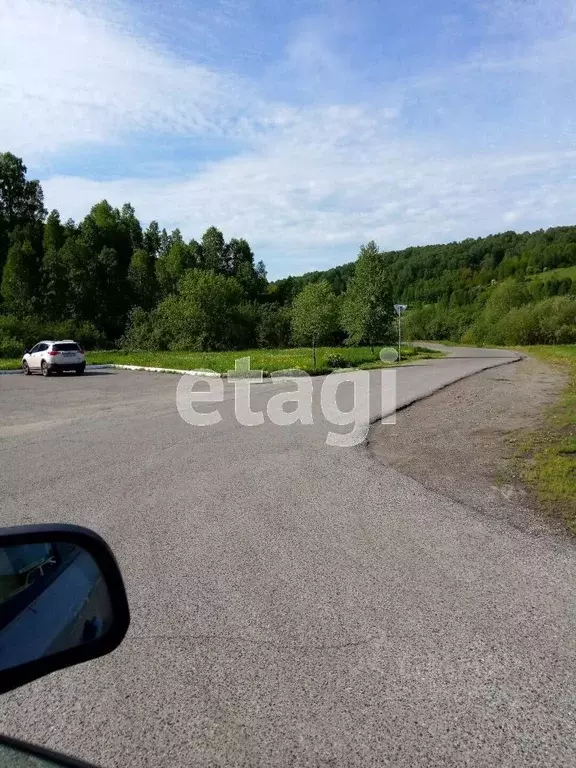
72 76
298 202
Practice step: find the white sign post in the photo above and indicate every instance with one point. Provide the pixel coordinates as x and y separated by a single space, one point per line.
399 309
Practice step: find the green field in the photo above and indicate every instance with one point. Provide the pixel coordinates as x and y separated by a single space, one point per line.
548 455
260 359
560 274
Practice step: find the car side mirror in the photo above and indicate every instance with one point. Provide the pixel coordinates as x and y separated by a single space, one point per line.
26 351
62 601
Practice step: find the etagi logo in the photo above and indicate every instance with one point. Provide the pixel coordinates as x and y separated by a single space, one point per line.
345 398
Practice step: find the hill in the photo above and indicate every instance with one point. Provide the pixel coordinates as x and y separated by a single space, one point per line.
448 287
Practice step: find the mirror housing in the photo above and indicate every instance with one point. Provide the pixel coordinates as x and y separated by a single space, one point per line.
26 351
62 601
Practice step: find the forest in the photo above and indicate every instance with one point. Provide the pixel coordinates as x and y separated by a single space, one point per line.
108 282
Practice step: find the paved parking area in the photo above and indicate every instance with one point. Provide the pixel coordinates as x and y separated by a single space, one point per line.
292 604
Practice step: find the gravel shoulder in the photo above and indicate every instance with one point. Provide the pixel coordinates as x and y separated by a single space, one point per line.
461 441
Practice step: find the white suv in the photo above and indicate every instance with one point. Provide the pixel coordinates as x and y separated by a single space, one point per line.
49 357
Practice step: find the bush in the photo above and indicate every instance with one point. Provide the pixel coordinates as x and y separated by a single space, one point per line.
336 361
18 333
274 326
10 348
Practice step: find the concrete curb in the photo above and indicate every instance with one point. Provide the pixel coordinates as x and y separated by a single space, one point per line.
97 367
157 370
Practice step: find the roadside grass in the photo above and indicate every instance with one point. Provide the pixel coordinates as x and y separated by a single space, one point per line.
547 457
9 363
268 360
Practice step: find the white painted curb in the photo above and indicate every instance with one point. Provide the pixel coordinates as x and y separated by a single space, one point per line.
158 370
136 368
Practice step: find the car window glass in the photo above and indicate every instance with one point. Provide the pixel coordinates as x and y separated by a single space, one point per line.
42 347
34 349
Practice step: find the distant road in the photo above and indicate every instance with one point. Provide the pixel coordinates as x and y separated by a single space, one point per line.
292 604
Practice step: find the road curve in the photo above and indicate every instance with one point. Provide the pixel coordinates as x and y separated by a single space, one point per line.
293 604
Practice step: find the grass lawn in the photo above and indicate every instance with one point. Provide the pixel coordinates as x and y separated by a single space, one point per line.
548 455
9 363
559 274
260 359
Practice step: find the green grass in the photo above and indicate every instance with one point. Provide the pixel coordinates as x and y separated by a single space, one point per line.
9 363
560 274
260 359
548 456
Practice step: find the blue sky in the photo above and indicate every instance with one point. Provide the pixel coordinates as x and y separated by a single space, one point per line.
306 127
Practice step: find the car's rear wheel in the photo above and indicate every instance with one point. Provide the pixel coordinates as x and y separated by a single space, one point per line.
25 368
45 369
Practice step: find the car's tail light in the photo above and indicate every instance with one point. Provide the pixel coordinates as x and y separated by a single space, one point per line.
52 353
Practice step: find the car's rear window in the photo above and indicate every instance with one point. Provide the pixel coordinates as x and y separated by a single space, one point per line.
66 347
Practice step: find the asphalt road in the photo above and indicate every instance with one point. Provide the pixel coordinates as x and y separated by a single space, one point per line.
293 604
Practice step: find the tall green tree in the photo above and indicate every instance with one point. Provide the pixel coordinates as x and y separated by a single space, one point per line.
53 280
132 226
368 307
104 227
314 315
171 267
214 251
164 243
151 239
21 200
239 253
54 233
111 306
79 287
142 279
20 278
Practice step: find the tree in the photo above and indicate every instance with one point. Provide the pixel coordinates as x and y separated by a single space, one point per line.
368 309
132 226
171 267
151 239
54 233
164 243
142 279
314 315
274 326
19 278
110 307
105 227
80 269
208 312
214 251
21 201
239 253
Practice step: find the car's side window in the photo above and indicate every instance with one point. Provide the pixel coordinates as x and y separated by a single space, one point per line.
35 349
42 347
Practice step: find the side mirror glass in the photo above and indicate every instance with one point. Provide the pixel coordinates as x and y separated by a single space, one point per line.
62 601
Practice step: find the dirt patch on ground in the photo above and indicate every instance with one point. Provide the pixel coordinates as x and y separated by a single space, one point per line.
461 441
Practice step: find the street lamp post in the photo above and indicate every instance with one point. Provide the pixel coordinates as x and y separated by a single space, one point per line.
399 309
